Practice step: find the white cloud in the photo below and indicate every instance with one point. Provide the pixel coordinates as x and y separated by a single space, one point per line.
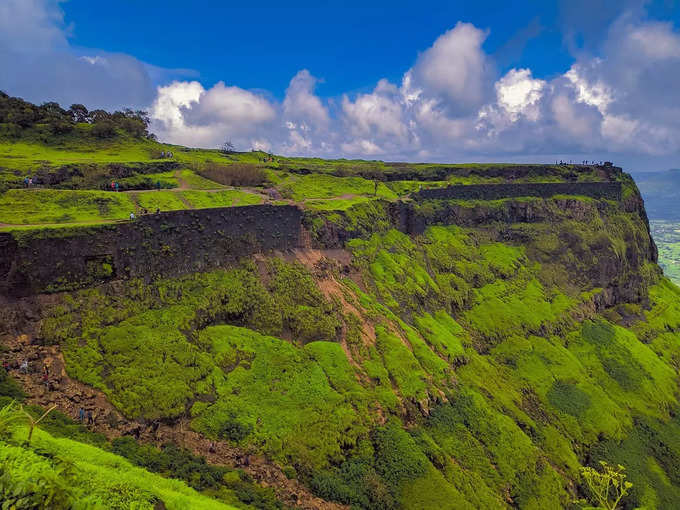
379 114
518 93
450 105
40 65
455 69
300 103
32 26
185 111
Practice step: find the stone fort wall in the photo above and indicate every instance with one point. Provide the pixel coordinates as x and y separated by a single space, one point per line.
166 244
180 242
599 190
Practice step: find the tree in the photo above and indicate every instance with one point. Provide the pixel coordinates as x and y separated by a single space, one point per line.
104 128
607 487
376 176
227 147
79 113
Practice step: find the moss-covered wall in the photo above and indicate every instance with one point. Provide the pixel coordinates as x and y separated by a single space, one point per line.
172 243
180 242
606 190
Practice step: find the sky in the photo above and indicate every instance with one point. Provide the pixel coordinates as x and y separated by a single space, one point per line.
532 81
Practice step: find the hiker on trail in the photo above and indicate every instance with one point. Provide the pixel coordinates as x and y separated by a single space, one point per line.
24 366
90 420
46 380
116 185
30 182
162 154
158 185
46 370
158 210
81 415
113 186
211 447
25 182
132 216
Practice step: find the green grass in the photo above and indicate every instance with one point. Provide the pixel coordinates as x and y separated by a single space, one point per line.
163 200
475 368
302 187
62 206
47 206
59 472
228 198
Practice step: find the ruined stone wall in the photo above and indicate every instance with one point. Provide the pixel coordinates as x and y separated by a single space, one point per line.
179 242
166 244
599 190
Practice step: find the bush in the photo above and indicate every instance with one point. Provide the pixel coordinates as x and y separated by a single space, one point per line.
569 398
236 174
235 430
9 387
175 462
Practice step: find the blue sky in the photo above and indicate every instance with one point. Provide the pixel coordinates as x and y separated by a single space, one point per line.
439 81
262 47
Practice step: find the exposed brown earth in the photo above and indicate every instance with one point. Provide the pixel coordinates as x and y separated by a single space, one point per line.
70 395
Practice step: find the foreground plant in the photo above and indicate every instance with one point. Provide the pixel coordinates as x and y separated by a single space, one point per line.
32 422
9 417
608 487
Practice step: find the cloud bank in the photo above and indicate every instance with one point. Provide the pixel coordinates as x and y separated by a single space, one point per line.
452 104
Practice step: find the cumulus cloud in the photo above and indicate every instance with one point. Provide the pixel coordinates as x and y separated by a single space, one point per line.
450 105
184 112
301 105
618 97
455 69
40 64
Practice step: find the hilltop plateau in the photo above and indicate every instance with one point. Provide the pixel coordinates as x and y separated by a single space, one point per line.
277 332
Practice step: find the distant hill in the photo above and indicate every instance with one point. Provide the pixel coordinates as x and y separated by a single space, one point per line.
661 192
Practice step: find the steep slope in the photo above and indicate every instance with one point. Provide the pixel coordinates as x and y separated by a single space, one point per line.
377 335
472 365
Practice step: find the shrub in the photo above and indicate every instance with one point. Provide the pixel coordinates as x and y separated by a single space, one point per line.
233 429
9 387
236 174
569 398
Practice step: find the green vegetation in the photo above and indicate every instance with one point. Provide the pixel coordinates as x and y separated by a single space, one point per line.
255 355
608 487
56 472
490 358
62 206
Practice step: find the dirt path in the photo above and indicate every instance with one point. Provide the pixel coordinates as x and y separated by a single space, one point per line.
182 183
70 395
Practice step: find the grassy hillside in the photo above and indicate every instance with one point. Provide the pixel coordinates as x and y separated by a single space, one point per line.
57 472
479 357
461 372
77 168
